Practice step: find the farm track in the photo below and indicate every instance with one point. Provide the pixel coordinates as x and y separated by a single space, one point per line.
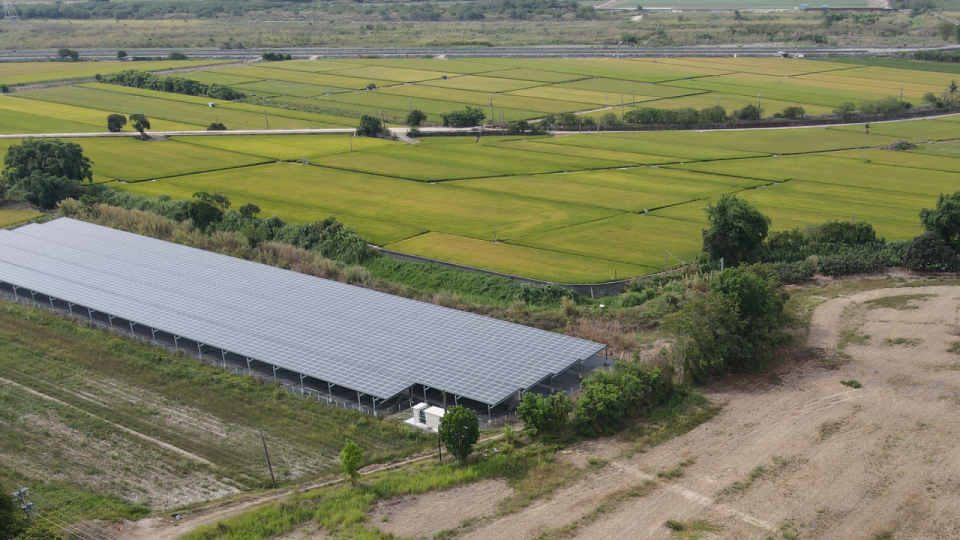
401 131
124 429
165 528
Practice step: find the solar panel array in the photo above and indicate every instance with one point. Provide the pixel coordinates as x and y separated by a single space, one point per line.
356 338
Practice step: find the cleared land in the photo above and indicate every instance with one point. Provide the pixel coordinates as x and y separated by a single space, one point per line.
84 411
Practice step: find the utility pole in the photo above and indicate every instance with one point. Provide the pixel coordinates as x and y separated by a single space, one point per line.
269 466
621 107
9 11
21 495
267 120
493 115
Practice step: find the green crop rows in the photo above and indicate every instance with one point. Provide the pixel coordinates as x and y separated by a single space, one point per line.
572 208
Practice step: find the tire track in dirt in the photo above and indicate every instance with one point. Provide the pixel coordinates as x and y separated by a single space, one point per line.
124 429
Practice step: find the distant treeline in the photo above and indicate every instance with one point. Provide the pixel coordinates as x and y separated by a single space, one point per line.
938 56
173 84
400 11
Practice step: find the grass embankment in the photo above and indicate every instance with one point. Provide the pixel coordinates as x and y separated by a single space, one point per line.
531 470
106 383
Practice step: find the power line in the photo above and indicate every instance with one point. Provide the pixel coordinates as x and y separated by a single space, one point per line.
70 520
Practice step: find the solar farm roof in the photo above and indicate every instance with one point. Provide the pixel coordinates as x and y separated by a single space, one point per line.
356 338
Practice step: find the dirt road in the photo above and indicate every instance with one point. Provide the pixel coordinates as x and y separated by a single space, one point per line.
795 453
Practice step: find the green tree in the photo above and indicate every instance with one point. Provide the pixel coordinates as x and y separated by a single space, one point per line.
946 30
249 210
845 110
206 209
468 117
545 416
43 190
759 301
459 431
49 156
121 55
351 457
736 232
216 126
68 55
115 122
416 118
749 112
370 126
11 518
703 333
793 112
4 89
176 55
944 220
140 123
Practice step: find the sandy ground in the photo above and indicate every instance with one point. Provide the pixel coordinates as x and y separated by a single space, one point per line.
429 514
838 463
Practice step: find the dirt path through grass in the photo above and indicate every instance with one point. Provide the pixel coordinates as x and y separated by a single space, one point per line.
127 430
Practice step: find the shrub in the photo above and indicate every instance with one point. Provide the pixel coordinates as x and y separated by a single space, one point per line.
351 457
608 398
748 113
176 55
732 326
468 117
275 57
216 126
173 84
545 416
929 251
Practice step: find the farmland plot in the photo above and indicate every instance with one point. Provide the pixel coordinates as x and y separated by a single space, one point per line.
514 259
307 193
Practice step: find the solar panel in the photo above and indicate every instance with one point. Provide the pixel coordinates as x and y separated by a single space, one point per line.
365 340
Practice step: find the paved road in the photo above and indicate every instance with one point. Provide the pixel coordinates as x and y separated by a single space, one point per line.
398 131
473 52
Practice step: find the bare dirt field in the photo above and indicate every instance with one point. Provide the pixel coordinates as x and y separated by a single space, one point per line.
794 453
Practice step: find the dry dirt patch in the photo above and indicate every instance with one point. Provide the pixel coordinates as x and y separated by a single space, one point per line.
796 454
426 515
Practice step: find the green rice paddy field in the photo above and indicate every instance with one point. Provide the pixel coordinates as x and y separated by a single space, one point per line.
326 93
571 208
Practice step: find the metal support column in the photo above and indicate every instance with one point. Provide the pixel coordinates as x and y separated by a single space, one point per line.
176 345
456 399
274 372
489 413
301 383
33 296
131 328
374 406
359 403
111 317
199 350
329 392
153 334
70 307
248 366
223 358
50 298
425 393
90 313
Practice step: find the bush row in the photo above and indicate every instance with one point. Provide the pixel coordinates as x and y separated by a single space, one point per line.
173 84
